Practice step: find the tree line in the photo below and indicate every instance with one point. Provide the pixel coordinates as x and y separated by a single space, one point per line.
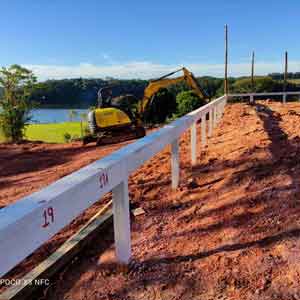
82 93
280 76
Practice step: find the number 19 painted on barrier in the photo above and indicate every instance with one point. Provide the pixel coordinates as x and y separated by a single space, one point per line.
48 215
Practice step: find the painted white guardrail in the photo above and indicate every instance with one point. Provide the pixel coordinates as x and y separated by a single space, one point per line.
252 95
33 220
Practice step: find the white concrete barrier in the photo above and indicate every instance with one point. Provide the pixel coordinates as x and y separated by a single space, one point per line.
33 220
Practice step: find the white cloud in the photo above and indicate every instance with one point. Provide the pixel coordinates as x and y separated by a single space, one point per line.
146 70
108 59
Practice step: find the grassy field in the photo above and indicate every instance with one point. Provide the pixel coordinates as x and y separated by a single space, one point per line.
51 133
296 81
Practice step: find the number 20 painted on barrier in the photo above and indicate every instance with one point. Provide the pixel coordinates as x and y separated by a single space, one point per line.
103 180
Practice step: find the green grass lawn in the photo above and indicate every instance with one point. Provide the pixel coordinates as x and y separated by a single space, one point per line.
51 133
296 81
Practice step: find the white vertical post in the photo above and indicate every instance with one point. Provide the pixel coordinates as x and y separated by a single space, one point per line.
210 123
203 130
223 106
175 163
218 112
284 98
215 116
122 222
194 143
251 99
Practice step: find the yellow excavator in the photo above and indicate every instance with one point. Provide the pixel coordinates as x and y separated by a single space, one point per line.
112 122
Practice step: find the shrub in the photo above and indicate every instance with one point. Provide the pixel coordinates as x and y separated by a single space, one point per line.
67 137
188 101
17 83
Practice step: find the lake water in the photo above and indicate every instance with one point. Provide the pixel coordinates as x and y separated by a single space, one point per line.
55 115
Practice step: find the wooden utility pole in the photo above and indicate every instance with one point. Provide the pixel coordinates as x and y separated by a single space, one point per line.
226 61
285 69
252 72
285 75
252 79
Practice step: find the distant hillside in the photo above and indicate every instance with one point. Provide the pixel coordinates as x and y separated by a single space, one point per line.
280 76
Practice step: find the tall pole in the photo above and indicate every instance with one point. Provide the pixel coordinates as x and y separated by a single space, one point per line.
226 61
252 71
285 75
252 78
285 69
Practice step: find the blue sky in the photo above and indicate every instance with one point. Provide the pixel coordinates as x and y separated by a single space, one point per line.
144 39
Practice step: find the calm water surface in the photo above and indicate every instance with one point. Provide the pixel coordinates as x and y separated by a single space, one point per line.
55 115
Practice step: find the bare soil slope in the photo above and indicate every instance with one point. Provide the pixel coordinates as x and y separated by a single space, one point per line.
231 231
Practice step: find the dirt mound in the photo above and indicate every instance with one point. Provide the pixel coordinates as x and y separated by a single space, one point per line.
229 232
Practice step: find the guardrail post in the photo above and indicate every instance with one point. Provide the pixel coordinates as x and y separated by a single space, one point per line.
284 98
222 108
210 123
194 143
122 222
219 112
215 116
175 163
251 99
203 130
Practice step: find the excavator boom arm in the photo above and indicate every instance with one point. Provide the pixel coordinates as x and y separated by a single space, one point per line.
155 85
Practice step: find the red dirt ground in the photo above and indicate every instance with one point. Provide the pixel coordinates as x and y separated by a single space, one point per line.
30 167
231 230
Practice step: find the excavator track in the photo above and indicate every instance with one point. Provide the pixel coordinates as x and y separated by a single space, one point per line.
115 137
119 137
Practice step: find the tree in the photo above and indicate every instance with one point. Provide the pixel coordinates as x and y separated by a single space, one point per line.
211 85
261 84
162 105
187 101
17 84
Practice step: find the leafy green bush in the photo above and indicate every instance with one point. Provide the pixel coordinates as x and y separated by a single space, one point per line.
16 83
188 101
67 137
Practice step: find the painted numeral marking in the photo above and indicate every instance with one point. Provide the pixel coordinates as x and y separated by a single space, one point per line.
103 180
48 215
